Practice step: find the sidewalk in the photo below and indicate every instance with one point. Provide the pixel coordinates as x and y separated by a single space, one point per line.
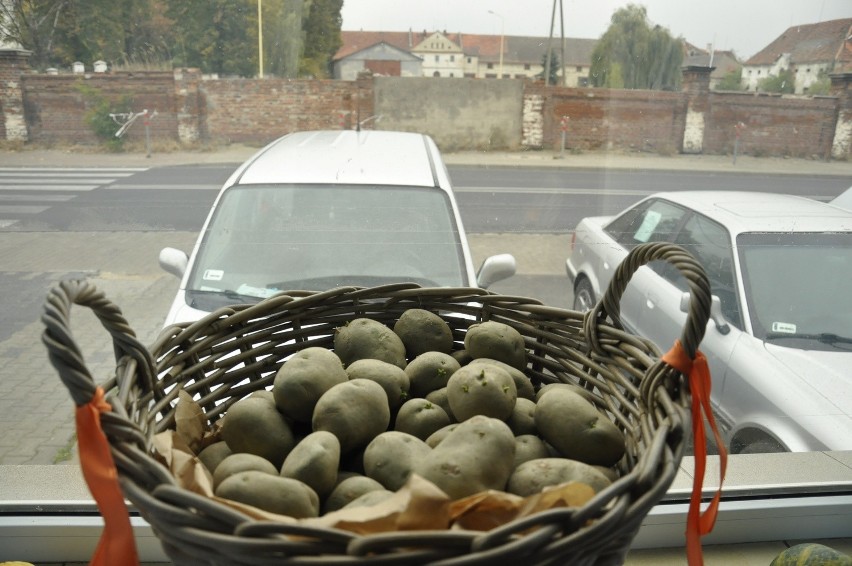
237 153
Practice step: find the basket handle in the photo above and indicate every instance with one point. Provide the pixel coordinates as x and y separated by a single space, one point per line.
116 544
62 349
697 314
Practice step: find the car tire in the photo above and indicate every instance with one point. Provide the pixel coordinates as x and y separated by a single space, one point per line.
584 295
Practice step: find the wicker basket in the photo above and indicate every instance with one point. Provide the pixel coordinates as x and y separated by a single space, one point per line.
237 350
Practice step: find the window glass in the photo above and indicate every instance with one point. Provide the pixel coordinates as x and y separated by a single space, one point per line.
710 243
266 239
797 287
652 221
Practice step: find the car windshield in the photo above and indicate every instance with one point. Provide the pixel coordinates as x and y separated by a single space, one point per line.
265 239
797 287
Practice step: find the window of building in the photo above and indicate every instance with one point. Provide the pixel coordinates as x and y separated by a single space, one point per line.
470 60
452 58
437 58
490 65
526 66
436 74
579 68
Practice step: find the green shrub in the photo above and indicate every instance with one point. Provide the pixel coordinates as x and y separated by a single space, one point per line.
97 116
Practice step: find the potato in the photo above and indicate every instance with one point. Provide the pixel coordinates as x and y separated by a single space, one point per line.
420 418
302 380
481 389
390 457
363 338
575 427
529 447
314 461
370 498
439 397
462 356
587 395
534 475
272 493
522 419
213 455
430 371
349 490
522 382
497 341
476 456
393 379
255 426
423 331
241 462
436 437
355 412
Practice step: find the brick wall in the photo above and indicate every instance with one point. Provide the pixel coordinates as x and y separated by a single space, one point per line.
606 119
258 111
773 125
52 108
55 107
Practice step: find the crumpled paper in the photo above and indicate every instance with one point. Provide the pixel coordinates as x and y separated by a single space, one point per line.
418 505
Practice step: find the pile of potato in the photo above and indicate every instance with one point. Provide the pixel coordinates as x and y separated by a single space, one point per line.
347 427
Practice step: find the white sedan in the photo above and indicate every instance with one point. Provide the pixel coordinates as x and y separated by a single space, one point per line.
779 342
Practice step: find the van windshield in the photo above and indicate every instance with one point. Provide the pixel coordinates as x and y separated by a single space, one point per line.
266 239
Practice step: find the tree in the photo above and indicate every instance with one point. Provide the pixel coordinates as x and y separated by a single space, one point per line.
632 54
733 81
60 32
822 86
553 76
322 37
32 24
784 83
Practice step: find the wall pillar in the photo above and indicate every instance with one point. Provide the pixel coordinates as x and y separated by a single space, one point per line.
841 87
189 105
696 85
13 124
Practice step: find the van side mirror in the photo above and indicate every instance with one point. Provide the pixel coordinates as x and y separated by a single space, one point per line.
495 268
715 312
173 261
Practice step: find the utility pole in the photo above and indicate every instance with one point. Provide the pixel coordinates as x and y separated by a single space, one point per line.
502 35
562 34
549 46
260 36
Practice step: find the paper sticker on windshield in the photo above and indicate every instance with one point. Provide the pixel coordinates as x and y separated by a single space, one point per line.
213 274
784 327
649 224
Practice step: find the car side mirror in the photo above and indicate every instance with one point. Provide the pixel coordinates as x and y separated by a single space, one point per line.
715 312
495 268
173 261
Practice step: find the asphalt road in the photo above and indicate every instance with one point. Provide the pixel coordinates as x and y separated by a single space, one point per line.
491 199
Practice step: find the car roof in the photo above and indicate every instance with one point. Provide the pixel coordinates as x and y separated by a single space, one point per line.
372 157
743 211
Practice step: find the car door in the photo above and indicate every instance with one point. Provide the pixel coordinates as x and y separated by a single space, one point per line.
653 220
661 319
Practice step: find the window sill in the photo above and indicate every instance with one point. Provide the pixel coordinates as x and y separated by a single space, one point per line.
47 514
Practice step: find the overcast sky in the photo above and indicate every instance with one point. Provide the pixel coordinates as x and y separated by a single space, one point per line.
746 26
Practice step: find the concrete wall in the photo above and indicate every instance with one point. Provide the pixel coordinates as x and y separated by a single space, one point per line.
458 113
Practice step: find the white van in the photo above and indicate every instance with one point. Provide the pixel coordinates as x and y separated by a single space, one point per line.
323 209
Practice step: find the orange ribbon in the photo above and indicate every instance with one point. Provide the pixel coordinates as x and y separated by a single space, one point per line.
116 545
698 523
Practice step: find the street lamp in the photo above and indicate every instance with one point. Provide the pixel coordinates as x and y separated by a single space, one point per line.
502 29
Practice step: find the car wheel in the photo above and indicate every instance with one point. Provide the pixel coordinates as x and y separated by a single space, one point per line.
584 295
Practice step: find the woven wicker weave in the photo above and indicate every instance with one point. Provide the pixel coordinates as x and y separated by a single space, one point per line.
237 350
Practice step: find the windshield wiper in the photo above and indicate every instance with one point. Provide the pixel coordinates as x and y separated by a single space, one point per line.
227 293
823 337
